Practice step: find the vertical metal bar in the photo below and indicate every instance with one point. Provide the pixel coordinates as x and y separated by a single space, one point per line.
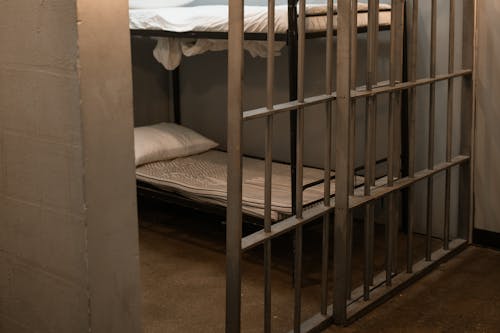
404 124
324 264
297 318
267 287
300 98
352 137
397 125
467 119
234 181
449 126
300 165
327 156
389 265
412 76
370 144
342 157
432 112
269 165
292 73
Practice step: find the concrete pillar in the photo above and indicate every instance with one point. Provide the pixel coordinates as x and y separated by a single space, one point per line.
68 220
487 145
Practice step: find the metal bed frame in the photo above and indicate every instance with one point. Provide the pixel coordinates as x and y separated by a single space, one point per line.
349 304
291 38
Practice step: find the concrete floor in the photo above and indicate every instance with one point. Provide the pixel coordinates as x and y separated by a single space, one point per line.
182 261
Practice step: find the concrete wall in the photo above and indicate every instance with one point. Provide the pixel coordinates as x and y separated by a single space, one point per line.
68 240
487 145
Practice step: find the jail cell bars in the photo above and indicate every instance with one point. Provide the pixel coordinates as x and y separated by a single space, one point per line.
349 304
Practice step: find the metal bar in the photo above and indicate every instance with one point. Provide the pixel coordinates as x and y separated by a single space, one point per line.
381 88
352 138
397 129
467 119
176 92
269 165
402 281
267 225
341 157
449 126
404 123
355 201
412 109
285 226
384 87
432 112
258 36
269 123
370 141
389 225
300 166
267 287
381 294
327 157
300 120
324 263
379 192
234 181
297 318
292 41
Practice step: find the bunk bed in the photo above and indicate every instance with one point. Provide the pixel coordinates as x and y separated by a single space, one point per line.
193 30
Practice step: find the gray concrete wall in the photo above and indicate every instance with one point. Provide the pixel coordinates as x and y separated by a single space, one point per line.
68 248
487 145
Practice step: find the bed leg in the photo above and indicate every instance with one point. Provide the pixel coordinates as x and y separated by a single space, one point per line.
176 95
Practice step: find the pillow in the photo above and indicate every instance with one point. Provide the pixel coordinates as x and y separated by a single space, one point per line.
165 141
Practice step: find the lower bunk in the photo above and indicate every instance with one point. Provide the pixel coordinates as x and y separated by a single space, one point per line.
178 165
201 178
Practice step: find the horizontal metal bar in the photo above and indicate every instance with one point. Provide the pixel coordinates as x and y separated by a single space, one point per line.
358 307
288 106
360 92
377 193
285 226
384 89
317 323
401 281
357 169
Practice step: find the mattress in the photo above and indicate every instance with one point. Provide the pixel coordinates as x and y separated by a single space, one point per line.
169 51
202 178
215 18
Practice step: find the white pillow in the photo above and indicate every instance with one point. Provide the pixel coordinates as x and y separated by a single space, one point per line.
165 141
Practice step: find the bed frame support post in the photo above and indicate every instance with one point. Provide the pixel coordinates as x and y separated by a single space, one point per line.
176 92
234 181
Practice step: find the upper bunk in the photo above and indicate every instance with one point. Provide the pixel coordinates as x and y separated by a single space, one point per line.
159 18
191 27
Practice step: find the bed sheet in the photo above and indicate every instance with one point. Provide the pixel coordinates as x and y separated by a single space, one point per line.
169 51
